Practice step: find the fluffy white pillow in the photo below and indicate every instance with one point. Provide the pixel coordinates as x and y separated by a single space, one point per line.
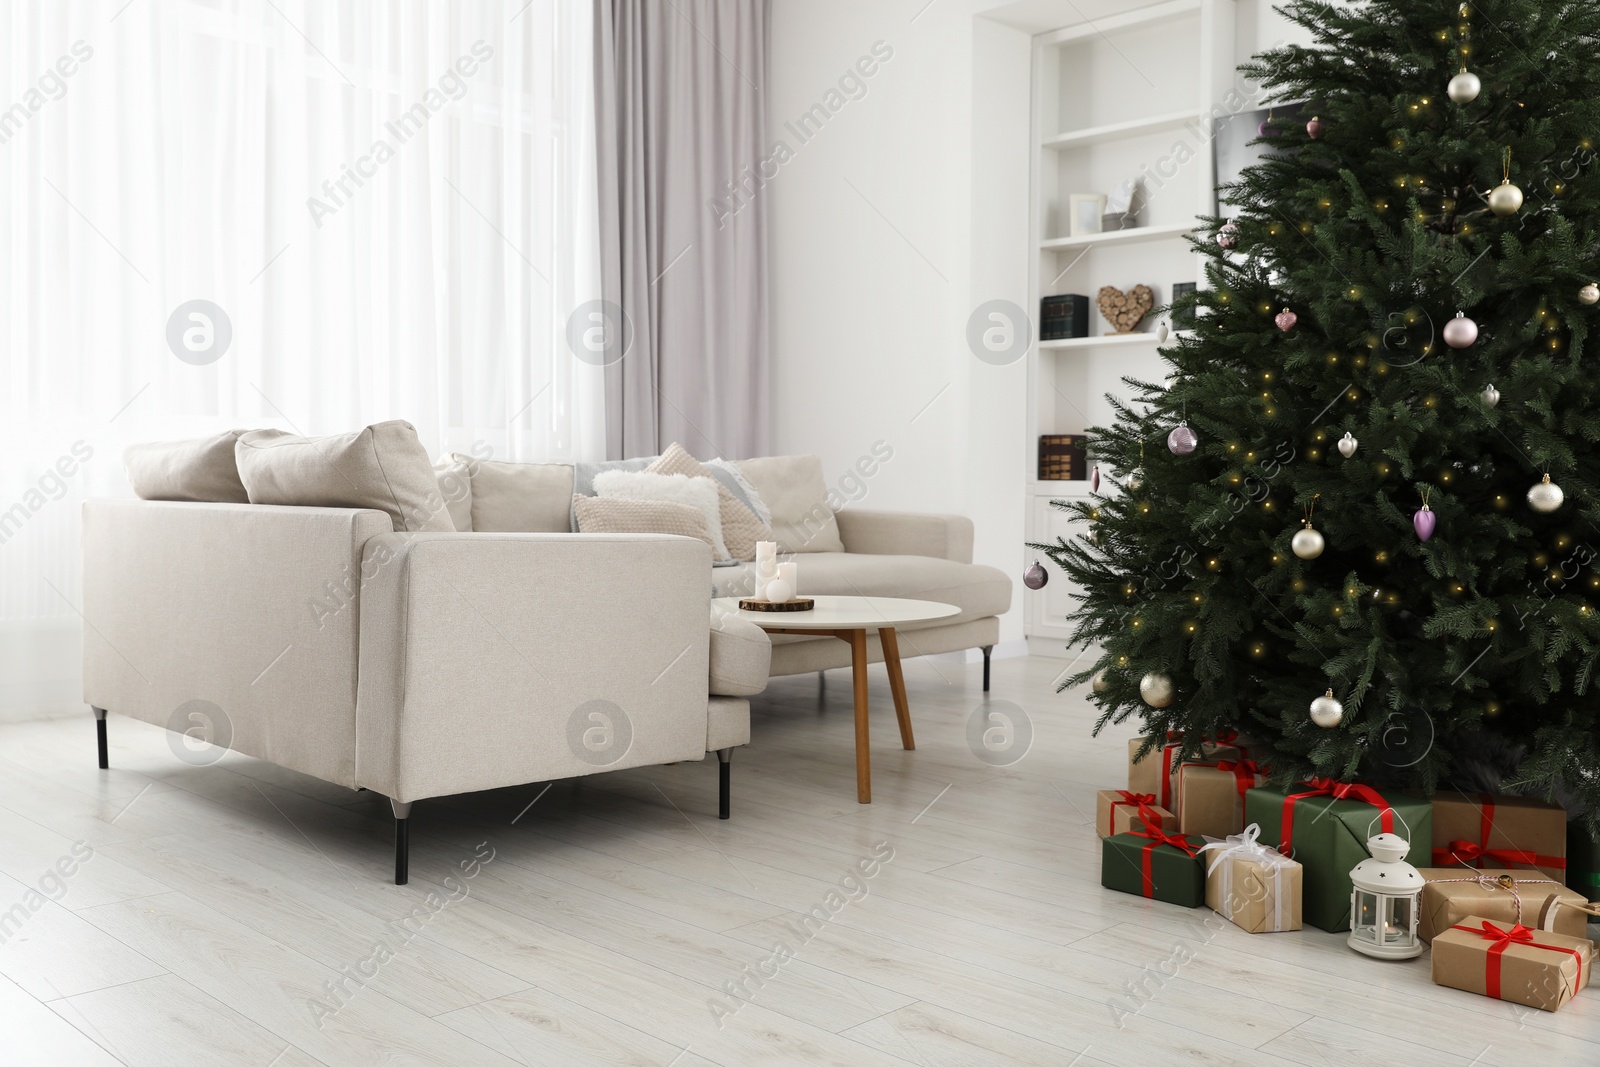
699 493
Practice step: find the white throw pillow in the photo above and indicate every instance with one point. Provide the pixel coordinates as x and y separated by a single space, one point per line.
793 487
698 493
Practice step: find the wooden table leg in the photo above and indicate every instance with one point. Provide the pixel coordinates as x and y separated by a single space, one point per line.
858 664
897 684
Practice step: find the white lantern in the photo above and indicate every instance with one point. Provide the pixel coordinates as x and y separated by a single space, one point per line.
1383 902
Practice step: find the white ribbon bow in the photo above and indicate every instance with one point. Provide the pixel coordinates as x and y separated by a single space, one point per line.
1248 846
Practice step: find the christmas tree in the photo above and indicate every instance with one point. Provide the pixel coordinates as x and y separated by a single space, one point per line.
1368 478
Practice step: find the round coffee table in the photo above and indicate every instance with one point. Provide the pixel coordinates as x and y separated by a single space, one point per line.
849 618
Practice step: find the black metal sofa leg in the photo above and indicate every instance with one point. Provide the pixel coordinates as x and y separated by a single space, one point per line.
986 650
724 782
100 731
402 841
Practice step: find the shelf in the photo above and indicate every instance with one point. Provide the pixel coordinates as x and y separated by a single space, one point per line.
1146 16
1102 340
1118 237
1112 131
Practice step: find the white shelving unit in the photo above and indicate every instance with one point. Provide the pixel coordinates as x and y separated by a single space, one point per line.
1129 95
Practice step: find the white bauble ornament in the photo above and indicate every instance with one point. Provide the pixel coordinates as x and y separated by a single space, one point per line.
1100 683
1327 712
779 591
1464 87
1505 199
1347 445
1156 689
1163 331
1546 496
1460 332
1490 395
1589 294
1307 543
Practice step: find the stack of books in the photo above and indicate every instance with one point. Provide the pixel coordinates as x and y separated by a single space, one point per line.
1063 316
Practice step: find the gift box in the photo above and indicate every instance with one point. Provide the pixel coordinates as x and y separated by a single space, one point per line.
1583 861
1158 772
1452 894
1532 967
1211 796
1325 826
1486 831
1153 863
1117 811
1252 886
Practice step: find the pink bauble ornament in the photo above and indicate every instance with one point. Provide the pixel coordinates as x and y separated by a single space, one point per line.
1228 236
1094 479
1460 332
1314 128
1424 521
1286 320
1035 576
1265 127
1182 440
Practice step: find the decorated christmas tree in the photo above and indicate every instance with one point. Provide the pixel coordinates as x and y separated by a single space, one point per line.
1359 520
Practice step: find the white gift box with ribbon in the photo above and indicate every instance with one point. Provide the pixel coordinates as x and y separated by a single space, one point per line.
1267 883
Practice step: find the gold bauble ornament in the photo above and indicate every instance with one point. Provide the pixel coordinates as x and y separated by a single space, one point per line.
1156 689
1505 199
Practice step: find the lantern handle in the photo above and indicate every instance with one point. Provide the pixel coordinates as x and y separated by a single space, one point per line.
1403 822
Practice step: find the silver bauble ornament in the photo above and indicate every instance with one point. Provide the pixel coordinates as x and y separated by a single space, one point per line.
1100 683
1347 445
1589 294
1182 440
1135 478
1035 576
1490 395
1307 543
1546 496
1156 689
1327 712
1460 332
1505 199
1464 87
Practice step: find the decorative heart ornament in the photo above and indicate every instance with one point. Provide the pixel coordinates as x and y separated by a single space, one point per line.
1286 320
1125 310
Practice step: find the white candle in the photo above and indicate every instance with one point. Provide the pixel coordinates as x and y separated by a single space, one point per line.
790 572
766 566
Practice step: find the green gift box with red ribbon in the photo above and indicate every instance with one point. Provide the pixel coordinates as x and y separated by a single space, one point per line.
1325 825
1154 863
1583 861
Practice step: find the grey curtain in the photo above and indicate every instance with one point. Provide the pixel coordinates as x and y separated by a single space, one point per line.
681 127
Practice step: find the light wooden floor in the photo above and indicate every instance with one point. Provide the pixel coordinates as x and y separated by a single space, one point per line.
221 902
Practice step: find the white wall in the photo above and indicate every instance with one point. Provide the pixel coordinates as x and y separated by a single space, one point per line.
890 225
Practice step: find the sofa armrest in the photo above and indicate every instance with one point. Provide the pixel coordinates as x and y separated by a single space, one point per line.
906 533
237 619
496 659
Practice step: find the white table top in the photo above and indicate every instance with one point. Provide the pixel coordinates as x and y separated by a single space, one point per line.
844 613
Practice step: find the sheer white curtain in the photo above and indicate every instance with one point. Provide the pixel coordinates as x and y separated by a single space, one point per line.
392 203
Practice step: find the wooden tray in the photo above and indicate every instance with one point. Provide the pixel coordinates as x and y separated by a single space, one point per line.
797 604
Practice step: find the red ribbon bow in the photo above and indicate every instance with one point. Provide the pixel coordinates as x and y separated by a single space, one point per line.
1157 837
1504 939
1473 854
1327 787
1244 773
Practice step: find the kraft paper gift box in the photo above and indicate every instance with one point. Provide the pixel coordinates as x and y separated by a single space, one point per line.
1117 811
1211 796
1454 893
1252 886
1152 863
1158 772
1513 963
1325 826
1583 861
1491 832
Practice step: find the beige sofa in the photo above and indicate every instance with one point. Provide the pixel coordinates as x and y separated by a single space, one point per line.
413 664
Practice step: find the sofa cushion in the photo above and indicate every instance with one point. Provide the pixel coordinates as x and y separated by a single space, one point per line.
741 652
977 590
728 473
521 497
794 489
700 493
739 525
583 475
382 466
201 469
613 514
453 472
